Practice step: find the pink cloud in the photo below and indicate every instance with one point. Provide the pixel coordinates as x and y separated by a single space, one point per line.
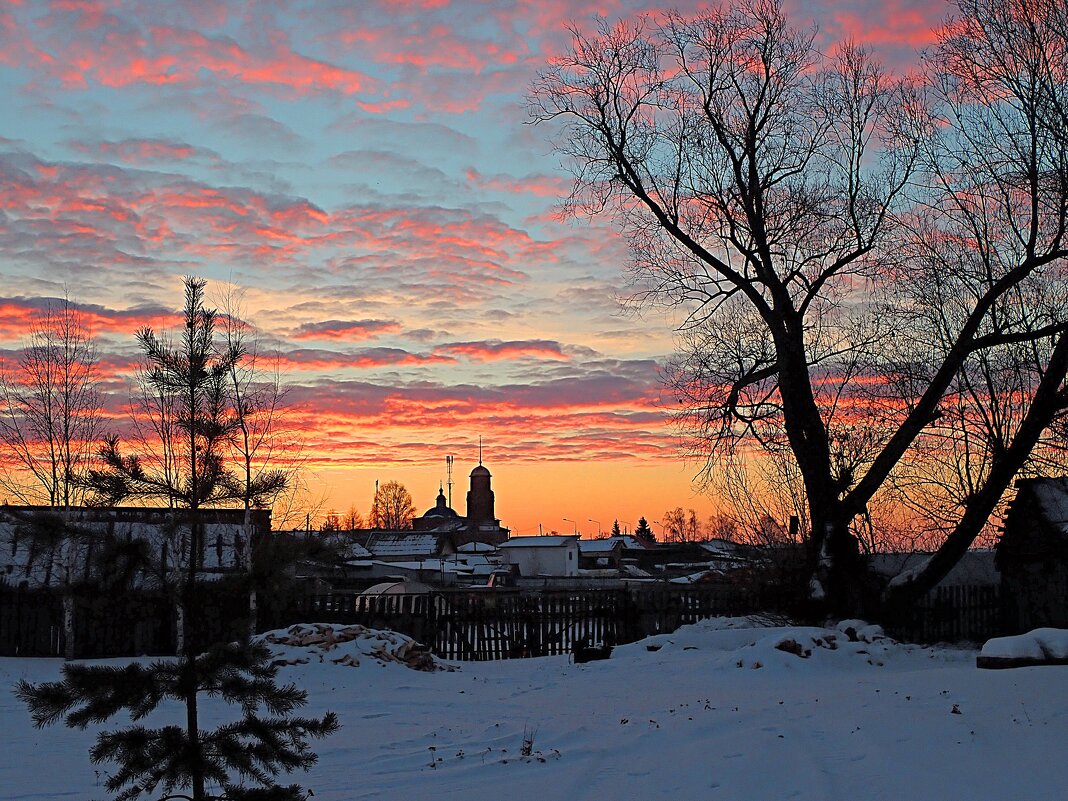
550 186
142 151
496 350
19 315
345 329
310 359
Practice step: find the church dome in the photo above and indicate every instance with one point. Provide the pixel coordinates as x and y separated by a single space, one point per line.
480 471
438 511
441 508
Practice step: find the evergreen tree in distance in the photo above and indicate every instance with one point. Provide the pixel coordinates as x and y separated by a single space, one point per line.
615 528
240 758
644 531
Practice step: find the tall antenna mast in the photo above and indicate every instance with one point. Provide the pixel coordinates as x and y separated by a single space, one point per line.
448 472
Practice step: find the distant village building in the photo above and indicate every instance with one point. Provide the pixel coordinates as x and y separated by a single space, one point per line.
601 554
1032 555
554 555
399 546
32 561
440 531
441 547
480 524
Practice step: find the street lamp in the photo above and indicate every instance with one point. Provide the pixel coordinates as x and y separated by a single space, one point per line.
598 522
572 522
661 530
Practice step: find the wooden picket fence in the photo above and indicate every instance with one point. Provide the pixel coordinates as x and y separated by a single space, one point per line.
469 625
485 625
953 614
131 623
31 622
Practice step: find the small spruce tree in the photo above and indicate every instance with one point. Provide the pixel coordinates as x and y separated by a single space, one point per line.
248 751
240 758
615 528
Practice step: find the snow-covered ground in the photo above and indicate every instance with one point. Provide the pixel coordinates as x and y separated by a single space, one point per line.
717 711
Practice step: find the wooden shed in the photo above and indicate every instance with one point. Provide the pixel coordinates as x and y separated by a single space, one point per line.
1032 555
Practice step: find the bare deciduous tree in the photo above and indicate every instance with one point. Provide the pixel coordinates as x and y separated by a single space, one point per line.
49 428
856 255
681 525
267 452
51 408
392 507
352 519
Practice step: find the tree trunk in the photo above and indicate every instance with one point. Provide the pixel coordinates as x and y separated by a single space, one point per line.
253 601
179 634
839 569
189 656
69 645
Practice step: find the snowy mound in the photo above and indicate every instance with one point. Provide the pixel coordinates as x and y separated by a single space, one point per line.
756 643
1038 647
346 645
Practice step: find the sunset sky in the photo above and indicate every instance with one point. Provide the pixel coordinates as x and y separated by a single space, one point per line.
362 170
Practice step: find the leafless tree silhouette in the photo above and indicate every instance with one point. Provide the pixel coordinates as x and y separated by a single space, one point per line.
871 270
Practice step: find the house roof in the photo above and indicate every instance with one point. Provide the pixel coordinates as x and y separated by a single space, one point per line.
607 544
600 546
1051 494
350 549
404 544
974 567
550 541
397 588
476 547
721 547
1036 522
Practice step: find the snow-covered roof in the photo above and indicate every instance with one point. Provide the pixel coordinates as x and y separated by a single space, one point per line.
606 545
550 541
396 588
471 559
440 524
1052 497
720 547
403 544
974 567
693 578
476 547
353 550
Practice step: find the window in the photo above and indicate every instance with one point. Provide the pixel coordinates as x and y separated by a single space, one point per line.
570 555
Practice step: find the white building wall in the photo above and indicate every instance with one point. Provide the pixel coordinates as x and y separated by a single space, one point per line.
555 560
